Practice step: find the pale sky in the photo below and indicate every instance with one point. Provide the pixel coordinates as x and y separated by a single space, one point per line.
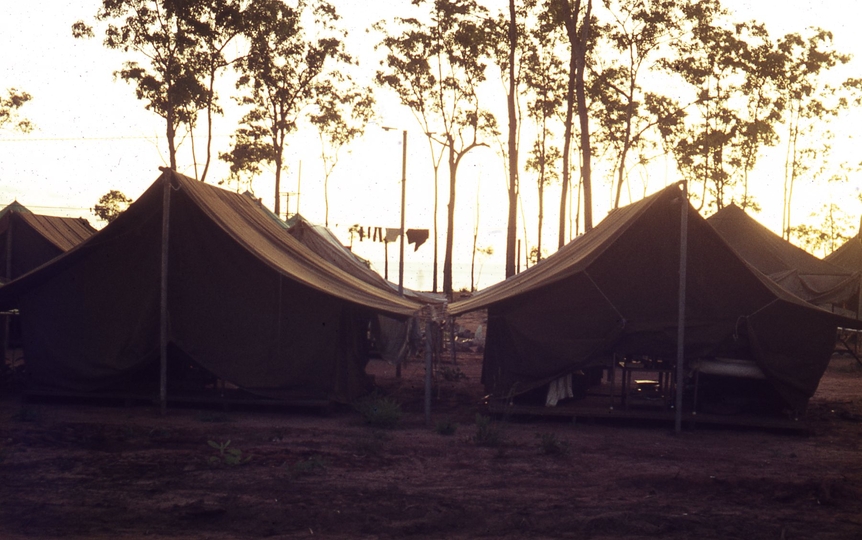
93 136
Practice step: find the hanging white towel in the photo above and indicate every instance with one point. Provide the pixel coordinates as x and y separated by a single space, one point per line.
559 389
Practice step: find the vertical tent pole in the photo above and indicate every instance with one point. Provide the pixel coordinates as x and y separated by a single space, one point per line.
452 352
858 315
8 275
680 335
7 319
163 301
429 347
403 197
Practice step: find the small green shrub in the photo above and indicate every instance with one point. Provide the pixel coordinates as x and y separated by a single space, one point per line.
487 432
213 417
227 456
851 366
370 445
159 433
312 465
28 414
446 427
550 445
452 374
380 411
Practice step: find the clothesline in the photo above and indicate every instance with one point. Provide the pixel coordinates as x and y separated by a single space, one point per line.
389 235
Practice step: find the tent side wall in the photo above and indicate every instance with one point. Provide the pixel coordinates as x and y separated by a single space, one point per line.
90 318
94 324
29 248
250 325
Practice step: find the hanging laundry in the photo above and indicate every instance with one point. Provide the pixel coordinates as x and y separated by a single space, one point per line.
361 234
392 235
379 232
417 236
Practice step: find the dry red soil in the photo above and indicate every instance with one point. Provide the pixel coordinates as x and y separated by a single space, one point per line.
75 470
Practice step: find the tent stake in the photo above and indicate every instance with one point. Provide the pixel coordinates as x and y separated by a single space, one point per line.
680 336
163 300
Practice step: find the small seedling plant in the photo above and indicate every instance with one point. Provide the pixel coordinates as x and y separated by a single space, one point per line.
487 432
550 445
226 455
380 411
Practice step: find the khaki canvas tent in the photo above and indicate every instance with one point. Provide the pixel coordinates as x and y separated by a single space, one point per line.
849 255
28 240
614 291
815 280
218 285
321 240
392 336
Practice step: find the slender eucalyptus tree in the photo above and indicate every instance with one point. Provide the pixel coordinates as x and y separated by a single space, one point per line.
343 111
545 78
435 67
165 62
810 99
294 50
576 17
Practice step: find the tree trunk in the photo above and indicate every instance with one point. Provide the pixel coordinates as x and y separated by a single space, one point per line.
171 135
326 199
583 115
277 205
450 224
209 125
627 142
511 230
567 150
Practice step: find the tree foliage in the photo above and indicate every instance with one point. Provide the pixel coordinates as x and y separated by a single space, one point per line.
809 100
111 205
293 52
176 51
638 33
9 106
611 87
544 75
343 111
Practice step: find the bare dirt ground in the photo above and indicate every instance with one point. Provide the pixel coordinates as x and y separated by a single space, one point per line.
72 470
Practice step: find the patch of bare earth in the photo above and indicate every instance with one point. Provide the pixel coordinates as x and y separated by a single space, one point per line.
71 470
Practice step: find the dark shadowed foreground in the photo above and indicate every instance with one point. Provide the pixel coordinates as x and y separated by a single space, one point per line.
108 471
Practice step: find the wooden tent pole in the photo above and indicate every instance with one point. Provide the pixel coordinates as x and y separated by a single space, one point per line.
680 333
163 301
429 348
7 319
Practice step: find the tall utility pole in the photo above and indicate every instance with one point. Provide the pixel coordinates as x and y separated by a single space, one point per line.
403 204
403 197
